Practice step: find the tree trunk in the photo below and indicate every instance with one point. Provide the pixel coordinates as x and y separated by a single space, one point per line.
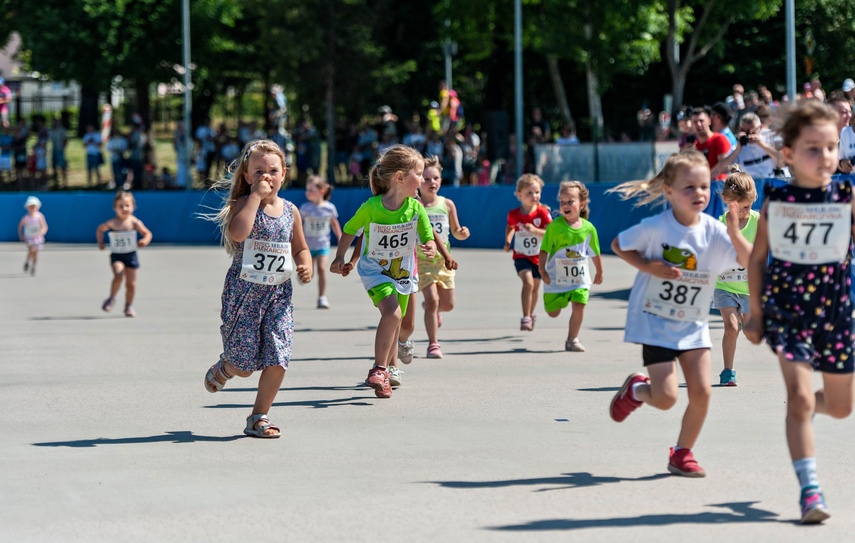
89 113
595 106
560 92
143 101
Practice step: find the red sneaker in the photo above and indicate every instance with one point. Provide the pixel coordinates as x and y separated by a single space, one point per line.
683 463
623 404
378 379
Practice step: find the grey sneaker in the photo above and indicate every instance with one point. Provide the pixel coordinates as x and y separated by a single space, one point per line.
573 344
405 352
395 376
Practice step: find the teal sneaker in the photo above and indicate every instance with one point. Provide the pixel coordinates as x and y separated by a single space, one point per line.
813 505
727 378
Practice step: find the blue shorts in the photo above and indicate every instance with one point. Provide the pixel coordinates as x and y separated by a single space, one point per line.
522 264
130 260
724 298
320 252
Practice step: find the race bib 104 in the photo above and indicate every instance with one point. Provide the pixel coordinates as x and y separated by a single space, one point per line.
123 242
572 271
684 299
266 262
526 243
316 227
809 233
391 240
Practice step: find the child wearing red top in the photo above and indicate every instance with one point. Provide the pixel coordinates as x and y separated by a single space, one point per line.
526 226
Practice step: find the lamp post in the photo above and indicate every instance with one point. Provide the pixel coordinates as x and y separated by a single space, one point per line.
518 86
188 96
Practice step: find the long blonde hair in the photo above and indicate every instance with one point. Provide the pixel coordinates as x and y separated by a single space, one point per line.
397 158
237 186
653 190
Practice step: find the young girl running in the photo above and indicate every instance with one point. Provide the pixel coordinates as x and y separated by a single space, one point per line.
319 217
262 232
801 304
436 281
563 261
32 230
125 233
678 254
731 288
391 222
526 225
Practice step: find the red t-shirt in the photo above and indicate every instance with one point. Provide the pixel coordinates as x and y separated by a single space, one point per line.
717 145
539 217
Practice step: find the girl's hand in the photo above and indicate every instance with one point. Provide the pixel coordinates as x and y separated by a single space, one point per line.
429 250
753 329
660 269
598 278
450 263
346 269
461 233
507 246
101 245
529 227
337 267
545 278
304 273
142 243
732 217
262 188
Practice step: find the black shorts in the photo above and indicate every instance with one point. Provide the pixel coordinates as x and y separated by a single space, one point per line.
525 264
653 354
130 260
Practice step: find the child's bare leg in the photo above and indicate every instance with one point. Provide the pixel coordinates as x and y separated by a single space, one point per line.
446 298
130 285
527 290
535 293
432 305
392 357
576 319
321 273
268 386
801 405
730 317
118 276
408 321
661 393
387 330
696 370
835 398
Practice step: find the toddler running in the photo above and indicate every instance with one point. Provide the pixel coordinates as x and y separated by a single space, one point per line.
319 217
32 230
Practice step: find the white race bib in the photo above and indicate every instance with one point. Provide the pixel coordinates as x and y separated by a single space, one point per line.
316 227
572 271
526 243
440 225
123 242
685 299
266 262
32 230
809 233
391 240
736 275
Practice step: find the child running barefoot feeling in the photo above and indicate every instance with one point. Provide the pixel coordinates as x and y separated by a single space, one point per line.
262 233
319 217
391 222
526 225
563 261
32 230
801 303
122 232
436 281
731 288
678 254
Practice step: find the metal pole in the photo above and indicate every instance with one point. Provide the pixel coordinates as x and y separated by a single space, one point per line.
518 84
188 95
790 9
448 63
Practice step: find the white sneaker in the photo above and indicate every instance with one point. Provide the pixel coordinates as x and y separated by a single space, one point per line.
405 352
323 303
574 345
395 376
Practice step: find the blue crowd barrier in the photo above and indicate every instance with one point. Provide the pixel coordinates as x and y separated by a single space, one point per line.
175 217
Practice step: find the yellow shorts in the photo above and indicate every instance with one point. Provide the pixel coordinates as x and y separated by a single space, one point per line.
384 290
553 301
435 272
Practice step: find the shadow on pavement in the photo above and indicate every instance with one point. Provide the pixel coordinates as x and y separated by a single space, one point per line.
316 404
566 480
78 318
170 437
739 512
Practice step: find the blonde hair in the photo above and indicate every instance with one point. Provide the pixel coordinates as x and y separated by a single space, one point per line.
433 162
238 187
653 190
527 180
397 158
321 184
567 186
124 194
738 186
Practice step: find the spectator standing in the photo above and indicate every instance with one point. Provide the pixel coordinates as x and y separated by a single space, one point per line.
846 147
713 145
5 98
117 145
94 159
754 155
470 145
720 117
568 136
6 140
19 151
848 89
136 155
58 140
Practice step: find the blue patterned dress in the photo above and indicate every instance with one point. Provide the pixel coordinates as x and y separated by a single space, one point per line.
258 319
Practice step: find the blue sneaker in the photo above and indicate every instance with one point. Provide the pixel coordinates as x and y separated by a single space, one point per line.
813 505
727 378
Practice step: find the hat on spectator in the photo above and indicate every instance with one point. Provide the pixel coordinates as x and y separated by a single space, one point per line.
385 109
723 110
848 85
33 201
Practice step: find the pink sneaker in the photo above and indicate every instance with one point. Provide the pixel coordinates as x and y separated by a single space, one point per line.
623 404
813 505
434 351
683 463
378 379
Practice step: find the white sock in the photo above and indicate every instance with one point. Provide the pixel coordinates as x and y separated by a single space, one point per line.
806 472
634 389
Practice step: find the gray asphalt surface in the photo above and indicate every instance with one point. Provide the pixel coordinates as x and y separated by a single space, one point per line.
107 433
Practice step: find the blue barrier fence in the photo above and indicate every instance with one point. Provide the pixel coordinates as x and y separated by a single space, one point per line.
173 217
